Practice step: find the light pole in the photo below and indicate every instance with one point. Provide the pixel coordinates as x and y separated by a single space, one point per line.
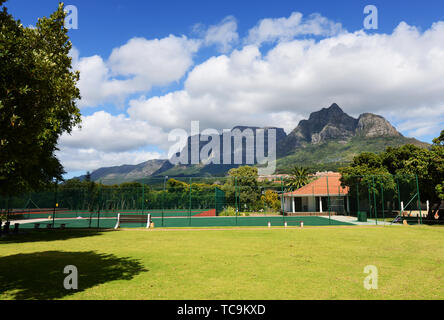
55 203
163 196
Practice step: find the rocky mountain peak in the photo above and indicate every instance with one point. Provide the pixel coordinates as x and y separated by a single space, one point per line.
372 125
328 115
328 123
333 123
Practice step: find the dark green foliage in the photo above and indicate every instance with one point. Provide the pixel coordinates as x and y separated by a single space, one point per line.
332 155
242 182
299 178
403 162
37 100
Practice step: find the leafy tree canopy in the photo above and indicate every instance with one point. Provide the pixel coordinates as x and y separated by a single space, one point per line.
248 191
174 185
402 163
38 96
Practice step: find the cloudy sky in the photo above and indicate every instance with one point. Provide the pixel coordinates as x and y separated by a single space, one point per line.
150 67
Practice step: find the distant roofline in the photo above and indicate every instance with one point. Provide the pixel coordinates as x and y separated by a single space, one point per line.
332 190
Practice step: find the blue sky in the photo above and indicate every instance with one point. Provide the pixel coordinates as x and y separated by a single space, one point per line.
110 32
105 25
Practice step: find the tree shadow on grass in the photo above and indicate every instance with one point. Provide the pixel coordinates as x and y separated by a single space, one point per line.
40 276
49 235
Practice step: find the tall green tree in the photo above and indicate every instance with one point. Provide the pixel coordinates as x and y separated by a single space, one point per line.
438 151
243 182
38 96
405 162
366 174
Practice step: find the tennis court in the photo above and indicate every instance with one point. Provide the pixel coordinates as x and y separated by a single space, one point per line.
66 213
183 222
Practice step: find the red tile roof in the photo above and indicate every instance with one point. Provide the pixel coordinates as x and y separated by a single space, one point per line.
318 187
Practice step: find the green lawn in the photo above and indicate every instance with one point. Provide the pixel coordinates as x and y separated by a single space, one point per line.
309 263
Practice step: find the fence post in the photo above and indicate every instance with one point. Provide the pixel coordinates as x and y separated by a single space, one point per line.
357 198
29 208
190 204
89 192
374 199
263 202
329 204
282 197
369 201
382 200
419 199
339 192
55 203
143 197
7 208
99 202
163 197
318 202
399 196
235 196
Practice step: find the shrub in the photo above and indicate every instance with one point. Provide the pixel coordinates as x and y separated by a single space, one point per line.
229 211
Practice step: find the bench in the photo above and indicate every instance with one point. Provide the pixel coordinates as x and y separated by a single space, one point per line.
49 226
6 228
126 218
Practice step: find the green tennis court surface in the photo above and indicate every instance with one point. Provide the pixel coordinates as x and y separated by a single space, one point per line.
182 222
245 221
85 214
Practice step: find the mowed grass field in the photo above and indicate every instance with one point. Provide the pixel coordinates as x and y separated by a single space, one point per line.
243 263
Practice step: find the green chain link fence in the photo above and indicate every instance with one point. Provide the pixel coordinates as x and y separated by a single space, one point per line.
223 201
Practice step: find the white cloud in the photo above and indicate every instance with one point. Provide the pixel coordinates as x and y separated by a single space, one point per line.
105 132
390 74
134 67
285 29
286 119
91 159
224 35
158 62
107 140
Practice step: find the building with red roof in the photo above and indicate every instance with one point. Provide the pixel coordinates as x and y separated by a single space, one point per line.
322 195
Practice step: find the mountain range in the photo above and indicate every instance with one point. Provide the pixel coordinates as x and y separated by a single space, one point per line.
328 139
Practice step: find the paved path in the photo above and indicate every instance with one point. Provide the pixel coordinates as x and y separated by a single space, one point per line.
354 220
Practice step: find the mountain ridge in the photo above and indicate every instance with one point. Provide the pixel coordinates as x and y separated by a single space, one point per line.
327 129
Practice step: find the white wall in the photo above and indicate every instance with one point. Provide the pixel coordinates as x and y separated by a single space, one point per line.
309 202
